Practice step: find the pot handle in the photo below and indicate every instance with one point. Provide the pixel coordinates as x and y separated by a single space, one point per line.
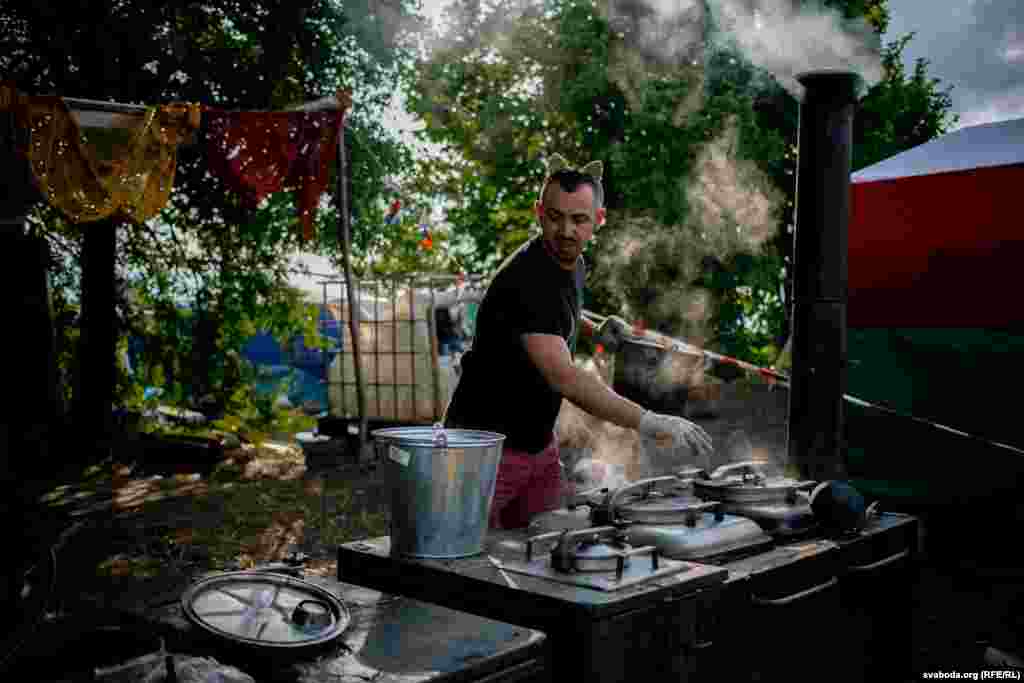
789 599
751 466
551 535
884 562
650 483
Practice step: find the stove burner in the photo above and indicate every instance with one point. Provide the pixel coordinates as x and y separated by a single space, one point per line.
597 549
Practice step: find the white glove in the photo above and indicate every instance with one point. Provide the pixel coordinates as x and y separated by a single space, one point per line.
683 433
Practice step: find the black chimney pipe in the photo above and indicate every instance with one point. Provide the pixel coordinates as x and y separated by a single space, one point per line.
818 378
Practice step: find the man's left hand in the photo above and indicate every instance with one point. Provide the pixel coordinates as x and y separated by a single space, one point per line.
674 431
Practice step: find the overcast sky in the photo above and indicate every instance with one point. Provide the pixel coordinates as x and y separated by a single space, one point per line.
977 46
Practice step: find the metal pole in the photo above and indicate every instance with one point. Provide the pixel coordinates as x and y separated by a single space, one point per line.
396 353
346 251
818 378
432 331
412 347
376 347
324 355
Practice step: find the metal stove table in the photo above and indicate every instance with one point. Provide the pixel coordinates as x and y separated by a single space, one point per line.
815 610
645 629
807 609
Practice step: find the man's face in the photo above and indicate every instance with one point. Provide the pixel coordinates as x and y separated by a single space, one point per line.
568 220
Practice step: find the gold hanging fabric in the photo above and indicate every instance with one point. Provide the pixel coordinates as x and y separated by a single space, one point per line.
129 171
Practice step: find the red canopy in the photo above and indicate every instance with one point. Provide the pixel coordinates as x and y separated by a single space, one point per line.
936 236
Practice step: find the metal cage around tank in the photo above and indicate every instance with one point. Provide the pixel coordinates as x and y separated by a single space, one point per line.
400 364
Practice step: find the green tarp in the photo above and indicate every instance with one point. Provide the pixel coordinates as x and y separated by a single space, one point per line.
965 379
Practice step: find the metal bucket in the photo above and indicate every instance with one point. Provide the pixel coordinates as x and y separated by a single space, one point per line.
442 485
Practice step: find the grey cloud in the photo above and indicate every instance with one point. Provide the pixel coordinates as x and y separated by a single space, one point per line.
977 47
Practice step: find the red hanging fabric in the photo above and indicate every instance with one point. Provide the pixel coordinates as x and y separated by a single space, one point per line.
258 153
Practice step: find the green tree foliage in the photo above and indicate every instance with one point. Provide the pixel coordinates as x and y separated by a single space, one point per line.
900 112
205 249
511 84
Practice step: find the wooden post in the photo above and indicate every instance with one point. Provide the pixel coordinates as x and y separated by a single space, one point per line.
353 309
32 413
95 383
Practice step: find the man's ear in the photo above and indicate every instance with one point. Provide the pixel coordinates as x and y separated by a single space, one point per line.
538 209
600 216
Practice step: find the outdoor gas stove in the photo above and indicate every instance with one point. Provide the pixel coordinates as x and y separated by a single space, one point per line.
610 610
596 557
615 585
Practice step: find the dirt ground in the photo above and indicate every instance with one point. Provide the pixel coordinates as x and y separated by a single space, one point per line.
148 531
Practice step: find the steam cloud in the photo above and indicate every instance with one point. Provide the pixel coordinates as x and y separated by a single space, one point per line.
734 208
668 31
785 39
782 37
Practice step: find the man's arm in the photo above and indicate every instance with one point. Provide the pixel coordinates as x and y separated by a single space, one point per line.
551 356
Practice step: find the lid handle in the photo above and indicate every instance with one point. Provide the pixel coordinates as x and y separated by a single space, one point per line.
440 438
649 484
746 467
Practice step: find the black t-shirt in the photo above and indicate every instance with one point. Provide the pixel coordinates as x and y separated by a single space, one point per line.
501 390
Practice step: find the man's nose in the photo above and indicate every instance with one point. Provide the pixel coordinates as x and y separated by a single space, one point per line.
565 227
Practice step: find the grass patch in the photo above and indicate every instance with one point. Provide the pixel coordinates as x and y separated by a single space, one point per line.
264 518
255 506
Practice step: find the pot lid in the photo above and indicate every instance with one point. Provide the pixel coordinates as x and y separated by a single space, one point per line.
659 500
428 437
748 482
259 609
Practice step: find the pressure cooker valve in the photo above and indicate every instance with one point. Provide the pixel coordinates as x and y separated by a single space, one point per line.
691 517
311 615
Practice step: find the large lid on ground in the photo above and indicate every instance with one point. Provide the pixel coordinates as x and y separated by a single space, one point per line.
259 609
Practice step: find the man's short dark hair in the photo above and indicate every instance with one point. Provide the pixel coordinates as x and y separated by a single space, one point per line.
570 181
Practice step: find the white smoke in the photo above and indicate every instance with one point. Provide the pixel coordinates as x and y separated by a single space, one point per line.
785 38
782 37
734 199
668 31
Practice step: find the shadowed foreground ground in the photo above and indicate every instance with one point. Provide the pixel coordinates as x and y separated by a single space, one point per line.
149 529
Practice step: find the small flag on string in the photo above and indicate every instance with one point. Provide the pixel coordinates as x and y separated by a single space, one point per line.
426 241
396 207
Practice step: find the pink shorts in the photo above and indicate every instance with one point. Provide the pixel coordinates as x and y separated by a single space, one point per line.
527 484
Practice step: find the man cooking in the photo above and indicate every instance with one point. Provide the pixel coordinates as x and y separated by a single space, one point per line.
521 363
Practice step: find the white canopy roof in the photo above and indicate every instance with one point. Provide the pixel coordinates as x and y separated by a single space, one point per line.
990 144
